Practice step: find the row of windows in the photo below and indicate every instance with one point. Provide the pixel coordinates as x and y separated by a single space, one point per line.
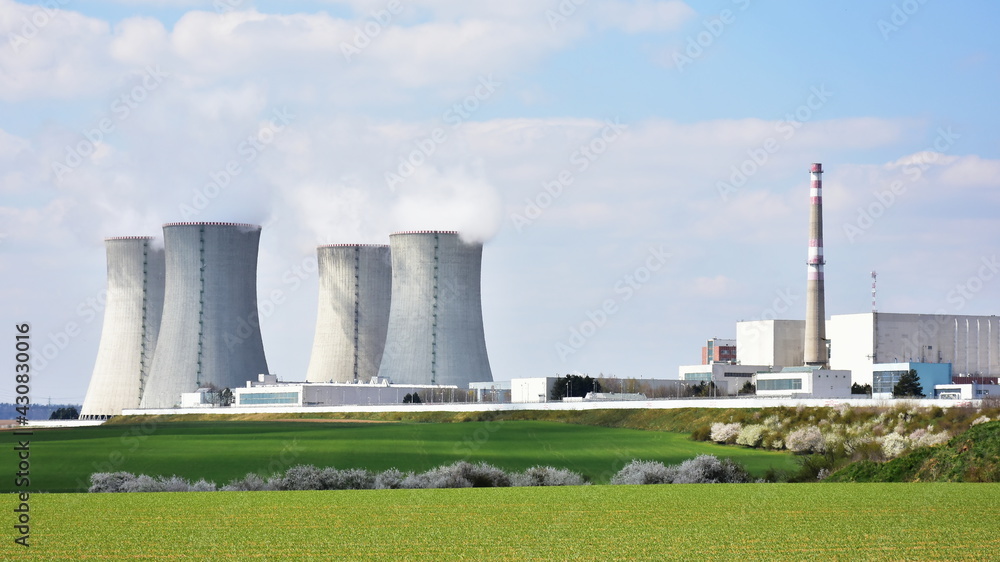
885 381
269 398
779 384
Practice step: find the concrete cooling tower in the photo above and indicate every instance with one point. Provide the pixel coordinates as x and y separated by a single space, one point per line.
435 331
355 286
131 323
210 333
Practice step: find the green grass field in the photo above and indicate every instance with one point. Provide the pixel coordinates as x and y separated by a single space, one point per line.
63 459
722 521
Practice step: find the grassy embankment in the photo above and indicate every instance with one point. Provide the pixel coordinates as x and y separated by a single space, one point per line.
973 456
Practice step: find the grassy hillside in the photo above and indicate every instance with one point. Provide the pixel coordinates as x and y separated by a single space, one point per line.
690 522
973 456
63 459
683 420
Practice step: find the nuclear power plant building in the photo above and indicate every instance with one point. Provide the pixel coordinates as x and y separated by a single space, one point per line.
131 324
355 288
210 332
435 333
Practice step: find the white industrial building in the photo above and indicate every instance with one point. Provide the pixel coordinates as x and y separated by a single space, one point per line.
968 391
377 391
776 343
728 378
970 344
530 390
804 382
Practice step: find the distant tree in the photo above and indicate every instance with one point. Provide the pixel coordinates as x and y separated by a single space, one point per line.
908 386
704 389
749 388
408 399
416 398
574 386
226 397
861 389
69 413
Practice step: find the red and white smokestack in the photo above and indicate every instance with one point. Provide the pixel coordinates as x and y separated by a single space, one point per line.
815 336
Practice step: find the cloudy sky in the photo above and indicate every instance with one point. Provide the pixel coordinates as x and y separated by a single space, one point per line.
635 166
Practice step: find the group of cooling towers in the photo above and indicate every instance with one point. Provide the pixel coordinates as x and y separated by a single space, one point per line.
185 316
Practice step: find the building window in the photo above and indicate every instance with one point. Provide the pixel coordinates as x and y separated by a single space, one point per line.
779 384
257 398
744 375
698 376
884 381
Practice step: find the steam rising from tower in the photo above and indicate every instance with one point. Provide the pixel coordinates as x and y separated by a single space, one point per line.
815 336
210 333
355 286
131 325
435 333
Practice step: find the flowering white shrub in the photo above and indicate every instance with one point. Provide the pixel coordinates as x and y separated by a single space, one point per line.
708 469
808 439
750 436
927 438
645 472
894 444
725 432
547 476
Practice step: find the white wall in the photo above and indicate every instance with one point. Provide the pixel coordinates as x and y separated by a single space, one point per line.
531 390
778 343
851 343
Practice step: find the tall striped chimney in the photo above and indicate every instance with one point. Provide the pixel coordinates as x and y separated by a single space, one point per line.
815 337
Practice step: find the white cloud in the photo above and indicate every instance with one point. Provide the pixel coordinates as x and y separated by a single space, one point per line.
644 15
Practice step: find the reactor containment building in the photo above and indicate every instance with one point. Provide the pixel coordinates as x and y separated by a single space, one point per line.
131 324
210 332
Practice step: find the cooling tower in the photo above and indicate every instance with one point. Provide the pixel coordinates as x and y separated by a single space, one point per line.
815 338
210 333
355 286
131 324
435 331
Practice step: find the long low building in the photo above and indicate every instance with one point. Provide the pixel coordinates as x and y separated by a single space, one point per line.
270 392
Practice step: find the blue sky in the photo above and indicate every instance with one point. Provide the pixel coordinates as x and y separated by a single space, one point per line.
908 107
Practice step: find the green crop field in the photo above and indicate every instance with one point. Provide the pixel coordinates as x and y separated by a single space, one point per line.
721 521
63 459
